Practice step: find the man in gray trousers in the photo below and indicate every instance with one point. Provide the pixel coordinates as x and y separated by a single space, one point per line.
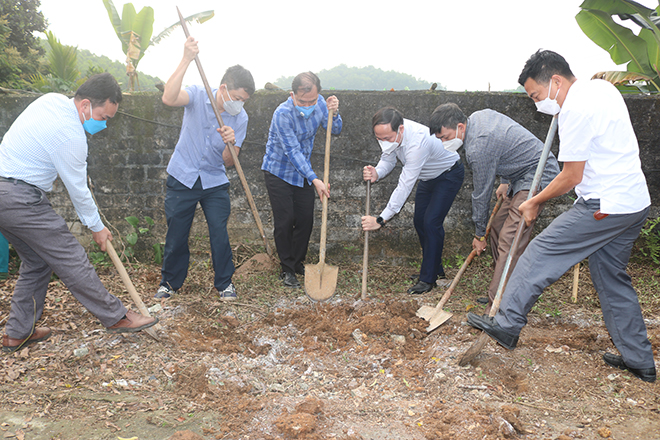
495 146
601 161
46 140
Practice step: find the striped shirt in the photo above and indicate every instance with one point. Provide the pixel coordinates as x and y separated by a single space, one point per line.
198 153
291 139
48 140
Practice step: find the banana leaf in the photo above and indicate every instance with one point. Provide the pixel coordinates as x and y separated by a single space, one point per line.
200 17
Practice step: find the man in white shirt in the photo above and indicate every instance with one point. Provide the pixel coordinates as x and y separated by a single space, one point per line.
46 140
601 161
440 174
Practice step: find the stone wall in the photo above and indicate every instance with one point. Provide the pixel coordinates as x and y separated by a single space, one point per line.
127 165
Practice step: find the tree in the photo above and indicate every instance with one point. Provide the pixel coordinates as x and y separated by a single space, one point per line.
24 19
63 74
640 52
20 51
343 77
134 30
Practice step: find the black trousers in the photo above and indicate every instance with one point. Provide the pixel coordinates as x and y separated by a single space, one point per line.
293 220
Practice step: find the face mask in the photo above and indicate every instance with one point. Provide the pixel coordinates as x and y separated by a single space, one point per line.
549 106
305 112
453 144
388 146
232 107
91 125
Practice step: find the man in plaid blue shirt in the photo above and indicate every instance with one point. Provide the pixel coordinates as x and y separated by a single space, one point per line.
288 172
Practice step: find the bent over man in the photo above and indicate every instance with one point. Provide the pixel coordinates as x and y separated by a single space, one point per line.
197 171
495 146
601 161
46 140
440 174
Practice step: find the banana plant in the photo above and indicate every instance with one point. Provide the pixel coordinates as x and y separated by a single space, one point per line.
134 30
640 53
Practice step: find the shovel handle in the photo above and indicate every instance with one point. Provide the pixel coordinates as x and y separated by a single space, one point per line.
365 256
125 278
326 179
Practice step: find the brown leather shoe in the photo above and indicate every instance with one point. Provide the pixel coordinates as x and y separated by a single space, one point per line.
132 322
10 345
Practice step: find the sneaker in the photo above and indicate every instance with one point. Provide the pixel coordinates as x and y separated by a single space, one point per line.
164 292
229 293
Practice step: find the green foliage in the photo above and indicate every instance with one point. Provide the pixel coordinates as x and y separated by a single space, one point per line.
142 232
134 30
648 242
15 66
91 63
24 19
63 74
343 77
640 53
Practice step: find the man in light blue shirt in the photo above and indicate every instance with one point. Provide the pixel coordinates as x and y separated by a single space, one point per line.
48 139
197 171
288 172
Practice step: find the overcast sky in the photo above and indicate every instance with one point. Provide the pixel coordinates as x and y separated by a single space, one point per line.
463 45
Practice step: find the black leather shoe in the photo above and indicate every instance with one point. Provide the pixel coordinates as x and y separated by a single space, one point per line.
420 287
300 270
616 361
482 300
289 280
493 329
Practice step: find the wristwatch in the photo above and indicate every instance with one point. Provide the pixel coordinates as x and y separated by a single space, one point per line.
482 238
380 221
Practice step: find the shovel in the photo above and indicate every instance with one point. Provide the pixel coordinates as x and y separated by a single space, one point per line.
131 288
476 348
435 315
321 279
365 256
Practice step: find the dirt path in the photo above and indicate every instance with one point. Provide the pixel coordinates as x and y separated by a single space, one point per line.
275 366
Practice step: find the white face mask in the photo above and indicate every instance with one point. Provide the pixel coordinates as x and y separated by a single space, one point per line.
387 146
453 144
549 106
232 107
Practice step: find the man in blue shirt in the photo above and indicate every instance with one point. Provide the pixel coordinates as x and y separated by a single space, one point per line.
197 171
46 140
288 172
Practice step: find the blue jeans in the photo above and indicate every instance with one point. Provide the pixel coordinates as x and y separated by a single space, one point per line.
432 202
180 206
4 254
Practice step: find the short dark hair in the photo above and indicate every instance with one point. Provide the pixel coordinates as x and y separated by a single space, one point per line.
388 115
542 65
447 115
100 88
238 77
306 81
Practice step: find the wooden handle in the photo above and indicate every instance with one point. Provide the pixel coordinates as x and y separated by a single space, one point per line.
365 255
326 180
125 278
576 282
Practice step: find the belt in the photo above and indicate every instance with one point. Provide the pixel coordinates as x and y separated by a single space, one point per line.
12 180
453 167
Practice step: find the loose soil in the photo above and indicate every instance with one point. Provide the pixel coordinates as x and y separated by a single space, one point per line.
274 365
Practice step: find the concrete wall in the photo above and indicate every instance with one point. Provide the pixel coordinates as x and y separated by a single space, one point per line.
127 165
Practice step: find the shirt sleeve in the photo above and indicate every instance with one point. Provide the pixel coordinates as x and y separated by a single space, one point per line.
337 122
483 179
416 157
70 161
241 131
575 135
284 129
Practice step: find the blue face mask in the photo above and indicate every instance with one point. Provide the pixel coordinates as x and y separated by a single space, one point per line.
306 112
91 125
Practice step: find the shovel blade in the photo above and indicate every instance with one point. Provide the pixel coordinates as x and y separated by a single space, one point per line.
425 312
320 281
438 319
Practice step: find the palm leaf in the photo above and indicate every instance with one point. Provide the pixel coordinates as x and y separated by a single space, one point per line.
619 78
200 17
621 43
